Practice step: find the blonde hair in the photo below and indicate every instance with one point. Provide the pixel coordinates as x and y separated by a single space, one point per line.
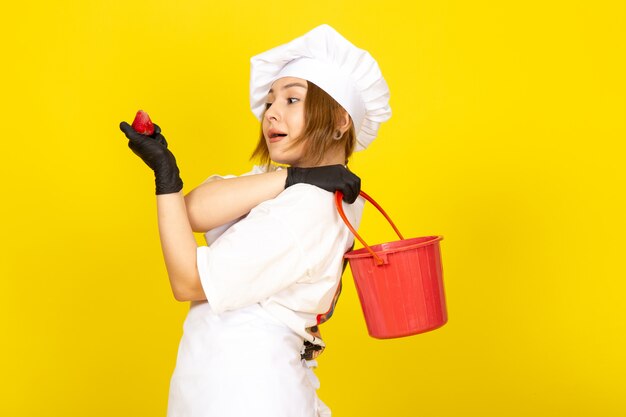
322 115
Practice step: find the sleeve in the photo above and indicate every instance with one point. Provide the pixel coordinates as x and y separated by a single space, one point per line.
260 255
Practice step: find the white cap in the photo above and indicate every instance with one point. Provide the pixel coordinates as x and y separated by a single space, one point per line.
348 74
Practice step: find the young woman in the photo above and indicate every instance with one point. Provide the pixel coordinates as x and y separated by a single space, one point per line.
275 243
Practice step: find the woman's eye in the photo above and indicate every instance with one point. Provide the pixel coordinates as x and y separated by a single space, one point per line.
268 105
292 100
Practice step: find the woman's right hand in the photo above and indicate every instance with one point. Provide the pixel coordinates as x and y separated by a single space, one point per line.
329 177
154 152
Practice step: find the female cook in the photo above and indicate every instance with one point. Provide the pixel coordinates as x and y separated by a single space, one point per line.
273 260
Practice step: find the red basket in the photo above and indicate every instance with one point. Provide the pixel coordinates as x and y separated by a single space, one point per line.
400 283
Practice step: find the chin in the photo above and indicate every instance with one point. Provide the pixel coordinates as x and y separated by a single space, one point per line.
283 159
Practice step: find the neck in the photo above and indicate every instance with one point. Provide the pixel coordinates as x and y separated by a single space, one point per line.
335 158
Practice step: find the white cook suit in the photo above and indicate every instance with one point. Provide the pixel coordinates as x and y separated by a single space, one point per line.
266 277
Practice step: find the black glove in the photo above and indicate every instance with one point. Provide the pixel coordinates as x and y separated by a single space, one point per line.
153 151
329 177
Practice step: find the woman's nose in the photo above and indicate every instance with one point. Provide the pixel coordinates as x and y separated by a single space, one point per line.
271 113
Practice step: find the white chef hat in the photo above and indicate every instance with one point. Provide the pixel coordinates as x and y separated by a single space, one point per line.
348 74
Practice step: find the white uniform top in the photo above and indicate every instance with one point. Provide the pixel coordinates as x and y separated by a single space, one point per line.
286 255
266 277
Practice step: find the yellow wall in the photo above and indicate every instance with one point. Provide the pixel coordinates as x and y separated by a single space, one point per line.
507 138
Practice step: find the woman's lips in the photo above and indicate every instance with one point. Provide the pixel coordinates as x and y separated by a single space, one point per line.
275 135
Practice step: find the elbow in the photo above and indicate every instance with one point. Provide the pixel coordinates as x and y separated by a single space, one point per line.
179 294
177 291
182 296
196 227
188 292
193 217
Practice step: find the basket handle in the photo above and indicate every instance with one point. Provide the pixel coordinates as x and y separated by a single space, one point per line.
338 200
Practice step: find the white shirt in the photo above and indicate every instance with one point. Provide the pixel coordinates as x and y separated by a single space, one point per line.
286 255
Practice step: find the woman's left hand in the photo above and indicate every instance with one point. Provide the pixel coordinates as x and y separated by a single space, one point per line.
153 151
328 177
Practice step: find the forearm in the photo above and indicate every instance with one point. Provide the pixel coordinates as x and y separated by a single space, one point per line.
179 247
219 202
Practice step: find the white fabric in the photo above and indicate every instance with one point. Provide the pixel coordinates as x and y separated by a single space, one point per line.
240 363
266 277
348 74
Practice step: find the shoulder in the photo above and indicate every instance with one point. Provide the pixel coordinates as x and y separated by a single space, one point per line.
304 197
256 169
314 202
298 207
307 208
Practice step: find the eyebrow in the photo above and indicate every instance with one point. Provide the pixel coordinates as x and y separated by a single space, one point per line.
288 86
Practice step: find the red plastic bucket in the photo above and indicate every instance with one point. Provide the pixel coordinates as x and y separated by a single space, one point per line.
400 283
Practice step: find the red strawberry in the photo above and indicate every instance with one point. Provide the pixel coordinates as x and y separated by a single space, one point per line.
142 123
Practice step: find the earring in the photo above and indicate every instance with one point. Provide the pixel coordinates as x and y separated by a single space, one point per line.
337 135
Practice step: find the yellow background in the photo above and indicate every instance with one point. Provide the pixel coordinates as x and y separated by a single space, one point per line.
507 138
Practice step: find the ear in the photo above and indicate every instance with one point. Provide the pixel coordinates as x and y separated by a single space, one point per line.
344 122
